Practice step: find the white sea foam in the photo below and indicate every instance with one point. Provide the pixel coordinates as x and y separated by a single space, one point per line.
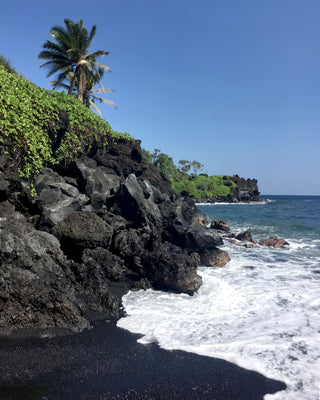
234 204
260 312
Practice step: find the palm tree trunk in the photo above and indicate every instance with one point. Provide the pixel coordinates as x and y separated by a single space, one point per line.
81 83
72 84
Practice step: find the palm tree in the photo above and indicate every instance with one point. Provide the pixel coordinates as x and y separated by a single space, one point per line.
69 55
90 95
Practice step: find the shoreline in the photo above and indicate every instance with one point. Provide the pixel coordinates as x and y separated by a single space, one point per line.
106 362
228 201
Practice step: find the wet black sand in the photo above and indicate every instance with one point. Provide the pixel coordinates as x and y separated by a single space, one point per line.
107 363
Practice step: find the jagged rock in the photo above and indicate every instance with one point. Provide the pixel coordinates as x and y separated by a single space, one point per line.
220 226
246 190
136 203
12 188
98 183
6 209
111 266
245 236
274 242
130 243
169 267
116 222
56 198
214 257
9 179
196 257
34 290
198 238
190 212
120 226
80 230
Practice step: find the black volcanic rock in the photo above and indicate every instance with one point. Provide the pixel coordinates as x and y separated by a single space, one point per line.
100 225
56 199
112 267
137 205
169 267
81 230
214 257
245 236
246 190
220 226
197 238
34 289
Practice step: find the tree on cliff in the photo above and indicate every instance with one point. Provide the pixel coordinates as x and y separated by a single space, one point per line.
68 57
166 165
91 95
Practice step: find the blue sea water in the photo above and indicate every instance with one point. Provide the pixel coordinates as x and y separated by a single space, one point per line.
262 310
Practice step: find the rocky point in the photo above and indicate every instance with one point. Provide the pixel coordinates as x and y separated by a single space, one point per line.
100 225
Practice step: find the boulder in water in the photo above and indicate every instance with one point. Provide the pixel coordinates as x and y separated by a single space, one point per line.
220 226
274 242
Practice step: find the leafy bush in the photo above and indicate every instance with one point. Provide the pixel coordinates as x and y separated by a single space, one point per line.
146 156
7 66
195 186
28 112
166 166
202 186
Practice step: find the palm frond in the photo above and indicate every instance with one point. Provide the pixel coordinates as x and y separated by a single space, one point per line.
92 34
92 105
58 84
103 66
102 90
97 53
106 101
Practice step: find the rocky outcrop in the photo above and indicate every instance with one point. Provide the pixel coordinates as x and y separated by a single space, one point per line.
34 288
248 242
245 191
100 225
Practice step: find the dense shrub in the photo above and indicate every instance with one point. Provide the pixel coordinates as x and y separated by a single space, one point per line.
202 186
28 113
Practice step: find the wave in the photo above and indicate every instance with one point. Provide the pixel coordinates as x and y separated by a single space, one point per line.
234 204
259 312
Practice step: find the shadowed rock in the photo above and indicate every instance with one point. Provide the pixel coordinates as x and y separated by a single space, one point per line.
34 289
80 230
169 267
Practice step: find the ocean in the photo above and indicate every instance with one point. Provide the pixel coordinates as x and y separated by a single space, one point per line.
262 310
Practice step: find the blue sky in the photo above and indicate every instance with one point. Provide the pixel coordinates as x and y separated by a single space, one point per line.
234 84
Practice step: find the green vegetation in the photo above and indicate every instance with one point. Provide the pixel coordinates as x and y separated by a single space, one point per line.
202 186
28 113
192 185
76 70
7 66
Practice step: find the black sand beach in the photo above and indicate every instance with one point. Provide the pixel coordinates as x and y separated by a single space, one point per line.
107 363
